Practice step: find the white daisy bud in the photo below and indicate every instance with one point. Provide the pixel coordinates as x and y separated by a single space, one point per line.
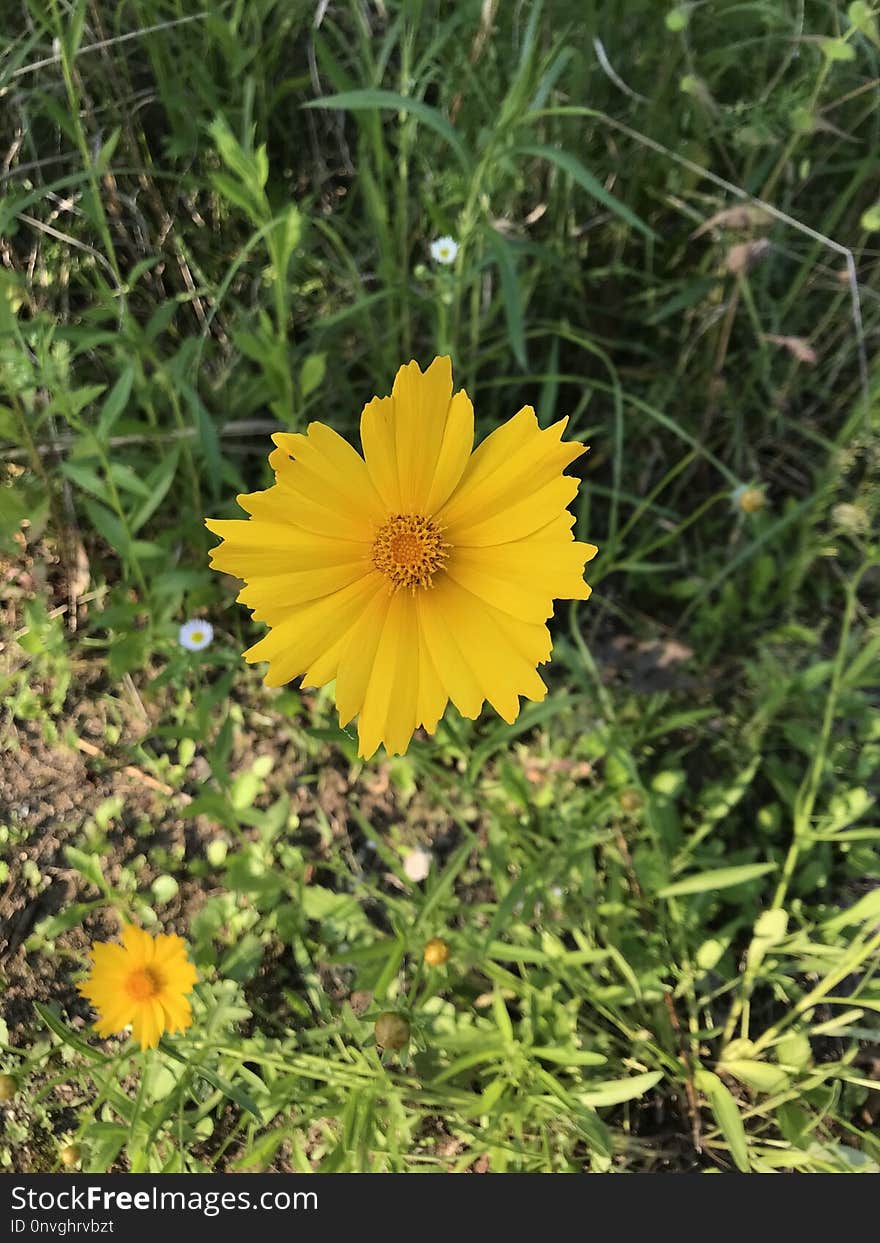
417 864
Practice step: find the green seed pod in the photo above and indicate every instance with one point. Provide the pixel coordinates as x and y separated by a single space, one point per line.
8 1087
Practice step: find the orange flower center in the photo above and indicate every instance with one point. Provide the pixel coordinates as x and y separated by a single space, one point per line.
409 550
143 984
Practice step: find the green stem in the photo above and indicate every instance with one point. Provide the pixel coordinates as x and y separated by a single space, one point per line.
83 146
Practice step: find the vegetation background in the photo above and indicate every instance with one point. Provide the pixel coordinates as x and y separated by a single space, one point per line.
659 889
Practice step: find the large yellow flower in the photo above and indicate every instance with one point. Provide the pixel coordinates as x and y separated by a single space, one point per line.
143 982
421 572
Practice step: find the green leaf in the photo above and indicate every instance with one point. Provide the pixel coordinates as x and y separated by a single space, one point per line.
251 168
511 295
862 16
284 238
128 480
230 1090
88 866
228 188
105 1143
570 164
56 1024
794 1050
258 1155
866 909
14 508
837 49
209 439
115 402
727 1115
371 97
718 878
158 483
501 737
320 903
617 1091
756 1075
86 479
109 527
312 374
568 1057
53 925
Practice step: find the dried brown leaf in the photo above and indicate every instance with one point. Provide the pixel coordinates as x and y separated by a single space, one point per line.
798 347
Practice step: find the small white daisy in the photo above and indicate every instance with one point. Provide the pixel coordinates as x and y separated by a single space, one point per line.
444 250
195 634
417 864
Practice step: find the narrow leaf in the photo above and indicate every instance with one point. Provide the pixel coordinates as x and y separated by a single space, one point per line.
364 100
570 164
717 878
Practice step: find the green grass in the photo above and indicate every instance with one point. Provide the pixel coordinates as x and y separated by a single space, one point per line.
660 887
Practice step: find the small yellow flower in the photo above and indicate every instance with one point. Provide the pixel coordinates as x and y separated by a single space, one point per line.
144 982
420 573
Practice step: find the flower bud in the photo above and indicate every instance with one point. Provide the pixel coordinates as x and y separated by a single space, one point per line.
752 500
392 1031
630 800
8 1087
748 498
436 952
70 1155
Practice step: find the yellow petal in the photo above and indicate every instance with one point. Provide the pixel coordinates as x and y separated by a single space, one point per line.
273 597
323 468
380 454
319 511
416 442
310 631
509 474
113 1021
109 959
433 698
445 648
356 660
148 1023
388 713
525 576
520 519
139 945
169 947
177 1012
262 547
452 455
499 652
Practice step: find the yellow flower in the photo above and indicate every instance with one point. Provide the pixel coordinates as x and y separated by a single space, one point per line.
143 982
421 572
